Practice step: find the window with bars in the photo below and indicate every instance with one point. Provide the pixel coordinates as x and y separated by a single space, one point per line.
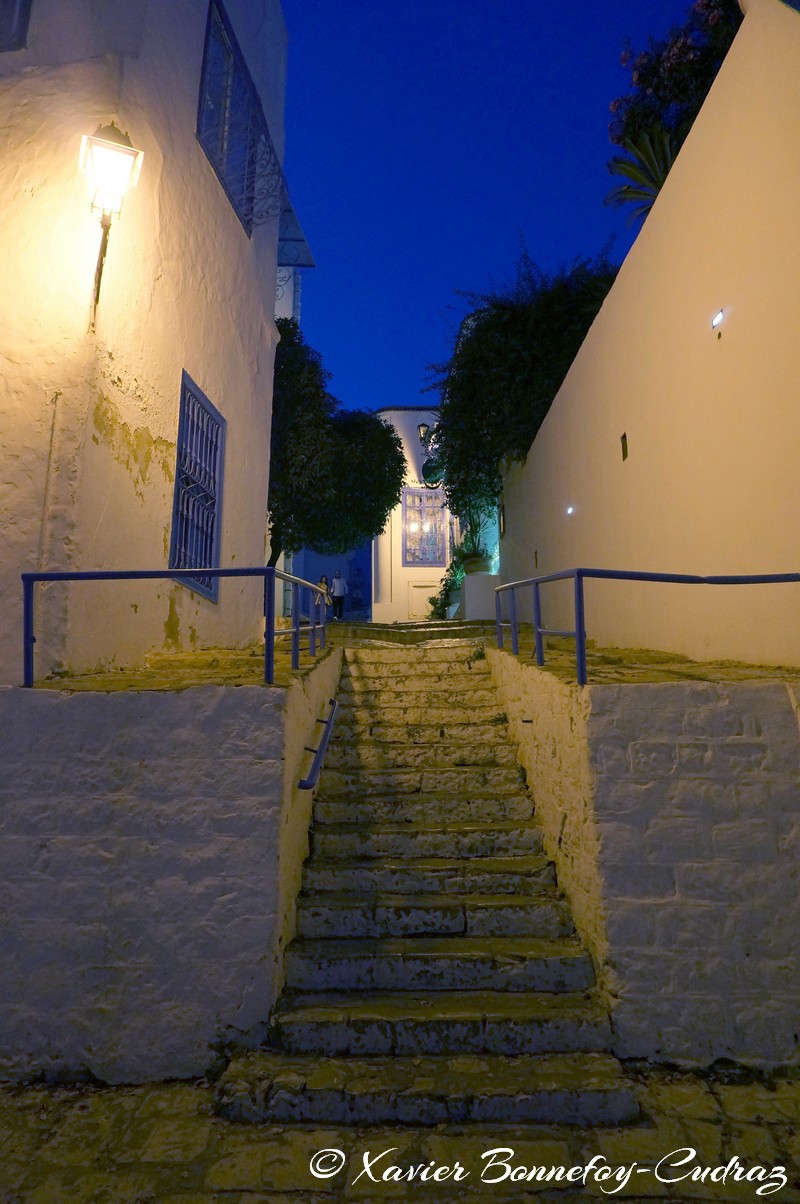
14 18
232 128
197 505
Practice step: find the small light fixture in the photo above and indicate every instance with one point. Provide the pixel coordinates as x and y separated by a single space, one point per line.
111 165
422 432
570 509
717 319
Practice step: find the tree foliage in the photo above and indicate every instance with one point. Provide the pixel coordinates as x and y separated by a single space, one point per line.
669 82
672 77
644 169
335 474
510 359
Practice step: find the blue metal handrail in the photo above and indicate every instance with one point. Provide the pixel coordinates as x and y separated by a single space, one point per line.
267 572
310 782
578 576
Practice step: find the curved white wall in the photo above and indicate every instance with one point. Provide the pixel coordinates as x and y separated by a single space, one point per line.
400 593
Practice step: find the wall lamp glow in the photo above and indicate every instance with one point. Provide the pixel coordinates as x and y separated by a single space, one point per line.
111 165
422 432
717 319
570 509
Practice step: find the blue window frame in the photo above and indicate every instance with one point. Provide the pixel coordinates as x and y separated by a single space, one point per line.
232 128
197 504
424 530
14 18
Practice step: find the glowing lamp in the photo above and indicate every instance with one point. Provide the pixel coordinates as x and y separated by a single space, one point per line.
111 165
570 509
422 432
717 319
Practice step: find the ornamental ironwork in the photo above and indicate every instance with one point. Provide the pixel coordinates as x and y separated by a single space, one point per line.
232 128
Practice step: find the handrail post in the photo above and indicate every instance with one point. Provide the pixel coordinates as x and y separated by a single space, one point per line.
498 618
323 619
537 623
269 625
28 638
580 629
312 618
295 625
512 614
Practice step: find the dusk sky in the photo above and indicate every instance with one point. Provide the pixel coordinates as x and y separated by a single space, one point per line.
425 141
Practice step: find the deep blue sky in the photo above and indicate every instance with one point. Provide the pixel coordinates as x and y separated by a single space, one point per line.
425 139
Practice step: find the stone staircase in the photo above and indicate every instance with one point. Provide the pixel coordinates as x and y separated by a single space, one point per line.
436 976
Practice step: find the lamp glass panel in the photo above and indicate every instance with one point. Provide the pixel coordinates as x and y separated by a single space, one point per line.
110 170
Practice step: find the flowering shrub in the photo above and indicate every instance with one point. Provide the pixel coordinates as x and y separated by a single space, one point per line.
671 78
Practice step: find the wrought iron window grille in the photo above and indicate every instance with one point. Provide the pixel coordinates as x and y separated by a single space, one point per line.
232 128
197 503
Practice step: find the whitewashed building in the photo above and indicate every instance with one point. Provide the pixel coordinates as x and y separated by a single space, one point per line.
672 444
414 549
135 390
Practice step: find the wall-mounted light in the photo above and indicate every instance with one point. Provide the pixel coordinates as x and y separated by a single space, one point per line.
111 165
717 319
422 432
570 509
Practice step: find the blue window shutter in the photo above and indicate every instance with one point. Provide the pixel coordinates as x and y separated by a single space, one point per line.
197 502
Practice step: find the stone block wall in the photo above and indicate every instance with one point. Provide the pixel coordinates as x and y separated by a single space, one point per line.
150 853
672 811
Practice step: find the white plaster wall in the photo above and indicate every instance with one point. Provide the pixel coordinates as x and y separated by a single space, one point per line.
392 599
710 485
672 811
90 418
151 853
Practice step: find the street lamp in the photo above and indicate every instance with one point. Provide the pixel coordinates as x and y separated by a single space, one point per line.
111 165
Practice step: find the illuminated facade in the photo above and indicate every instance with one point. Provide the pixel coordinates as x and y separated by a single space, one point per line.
95 354
411 554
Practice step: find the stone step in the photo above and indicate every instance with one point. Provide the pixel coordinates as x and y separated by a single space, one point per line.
526 875
423 808
421 670
355 716
423 840
369 755
571 1089
330 915
421 634
398 692
428 733
407 658
473 1022
448 963
480 779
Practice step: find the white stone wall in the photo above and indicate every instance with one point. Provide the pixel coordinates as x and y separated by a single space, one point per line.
89 417
150 857
710 484
672 811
